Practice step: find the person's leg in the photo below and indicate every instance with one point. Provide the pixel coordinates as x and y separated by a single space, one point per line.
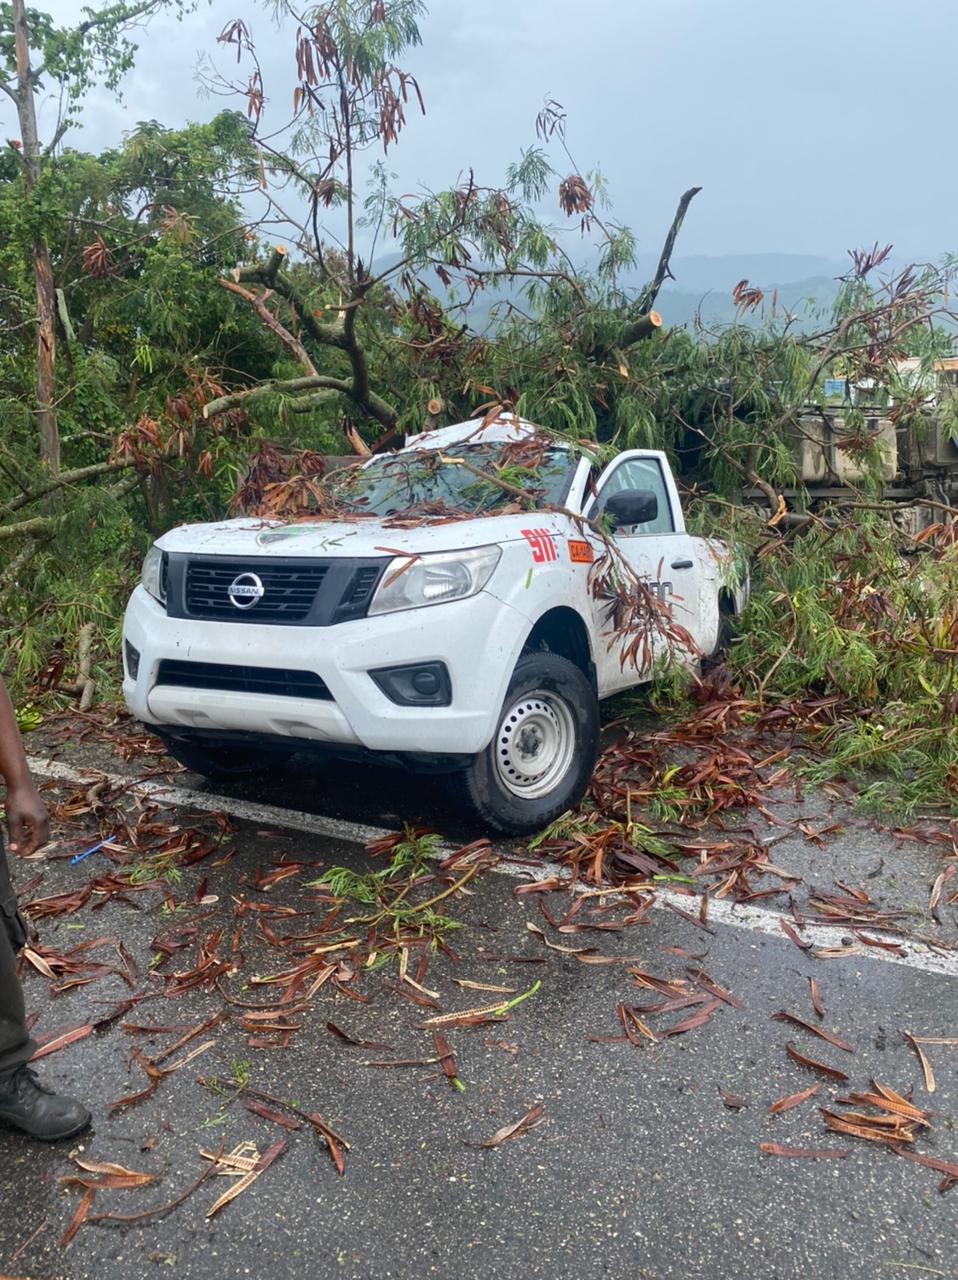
24 1102
16 1047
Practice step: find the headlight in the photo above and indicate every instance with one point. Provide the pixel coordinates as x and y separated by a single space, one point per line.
153 576
411 582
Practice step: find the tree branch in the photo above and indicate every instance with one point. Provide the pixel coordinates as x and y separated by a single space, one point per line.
258 303
262 273
306 404
272 276
342 336
62 480
534 273
357 356
275 386
37 527
639 329
51 146
663 271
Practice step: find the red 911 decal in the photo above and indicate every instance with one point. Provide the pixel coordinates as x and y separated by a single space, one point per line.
540 540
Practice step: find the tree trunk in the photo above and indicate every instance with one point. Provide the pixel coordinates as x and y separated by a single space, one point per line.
45 381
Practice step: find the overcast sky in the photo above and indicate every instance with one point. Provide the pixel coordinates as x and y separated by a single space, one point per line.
811 126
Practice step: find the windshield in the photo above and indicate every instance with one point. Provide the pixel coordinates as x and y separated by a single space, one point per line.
463 480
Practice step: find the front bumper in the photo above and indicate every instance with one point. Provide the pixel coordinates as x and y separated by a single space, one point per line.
479 641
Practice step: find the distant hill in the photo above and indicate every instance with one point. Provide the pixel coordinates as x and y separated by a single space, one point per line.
701 272
703 285
802 284
808 299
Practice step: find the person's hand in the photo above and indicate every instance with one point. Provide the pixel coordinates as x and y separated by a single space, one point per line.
27 819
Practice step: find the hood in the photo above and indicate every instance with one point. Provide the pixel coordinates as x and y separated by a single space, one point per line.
331 538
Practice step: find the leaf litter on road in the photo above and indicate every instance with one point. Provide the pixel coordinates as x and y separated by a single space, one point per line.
326 943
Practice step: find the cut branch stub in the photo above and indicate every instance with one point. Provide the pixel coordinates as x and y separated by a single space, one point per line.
264 273
640 328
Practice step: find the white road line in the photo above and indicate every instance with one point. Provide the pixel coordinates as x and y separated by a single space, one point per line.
208 802
728 914
760 920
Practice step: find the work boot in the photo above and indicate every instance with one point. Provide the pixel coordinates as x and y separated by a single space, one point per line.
38 1111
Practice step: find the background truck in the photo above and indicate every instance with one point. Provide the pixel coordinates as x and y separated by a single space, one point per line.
458 606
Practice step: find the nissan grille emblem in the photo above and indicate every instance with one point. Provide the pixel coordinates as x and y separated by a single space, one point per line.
246 590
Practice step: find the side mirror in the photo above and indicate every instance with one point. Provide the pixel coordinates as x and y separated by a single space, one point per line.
632 506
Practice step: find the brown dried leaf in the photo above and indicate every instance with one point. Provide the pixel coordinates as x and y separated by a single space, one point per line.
62 1040
931 1162
554 946
832 1072
445 1055
870 1132
345 1038
485 986
531 1120
76 1222
925 1064
696 1020
790 933
260 1165
117 1170
782 1016
816 996
793 1100
267 1113
895 1104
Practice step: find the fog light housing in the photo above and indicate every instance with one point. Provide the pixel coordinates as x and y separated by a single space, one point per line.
419 684
132 660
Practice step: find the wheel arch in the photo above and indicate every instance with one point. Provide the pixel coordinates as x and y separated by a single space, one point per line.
563 631
728 605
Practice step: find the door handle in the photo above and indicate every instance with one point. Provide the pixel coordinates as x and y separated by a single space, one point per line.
683 564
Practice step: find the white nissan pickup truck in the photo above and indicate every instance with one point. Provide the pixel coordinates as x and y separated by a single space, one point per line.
458 606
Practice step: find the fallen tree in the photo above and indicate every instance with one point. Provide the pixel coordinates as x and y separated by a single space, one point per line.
233 351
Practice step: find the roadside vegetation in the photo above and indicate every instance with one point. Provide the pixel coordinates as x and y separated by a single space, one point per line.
192 319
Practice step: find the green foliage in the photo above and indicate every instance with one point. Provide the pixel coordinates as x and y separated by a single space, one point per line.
396 916
99 48
859 642
153 332
412 856
28 717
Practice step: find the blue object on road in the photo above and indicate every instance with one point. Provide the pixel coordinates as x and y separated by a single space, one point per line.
80 856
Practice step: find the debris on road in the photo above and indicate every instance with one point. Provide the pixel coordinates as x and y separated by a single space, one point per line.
268 928
793 1100
892 1118
245 1164
531 1120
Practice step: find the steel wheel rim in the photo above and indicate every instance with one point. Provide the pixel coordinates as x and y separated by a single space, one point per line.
534 745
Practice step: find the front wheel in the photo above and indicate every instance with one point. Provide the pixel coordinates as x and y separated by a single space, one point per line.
542 754
222 762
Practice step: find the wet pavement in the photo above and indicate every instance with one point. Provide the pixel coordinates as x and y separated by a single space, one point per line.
640 1168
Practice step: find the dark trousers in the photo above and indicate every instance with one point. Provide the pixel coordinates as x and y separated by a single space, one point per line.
16 1047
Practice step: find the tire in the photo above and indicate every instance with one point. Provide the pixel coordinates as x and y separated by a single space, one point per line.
223 762
726 631
724 636
555 704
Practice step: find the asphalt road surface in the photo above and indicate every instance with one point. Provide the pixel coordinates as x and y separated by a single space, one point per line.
639 1167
